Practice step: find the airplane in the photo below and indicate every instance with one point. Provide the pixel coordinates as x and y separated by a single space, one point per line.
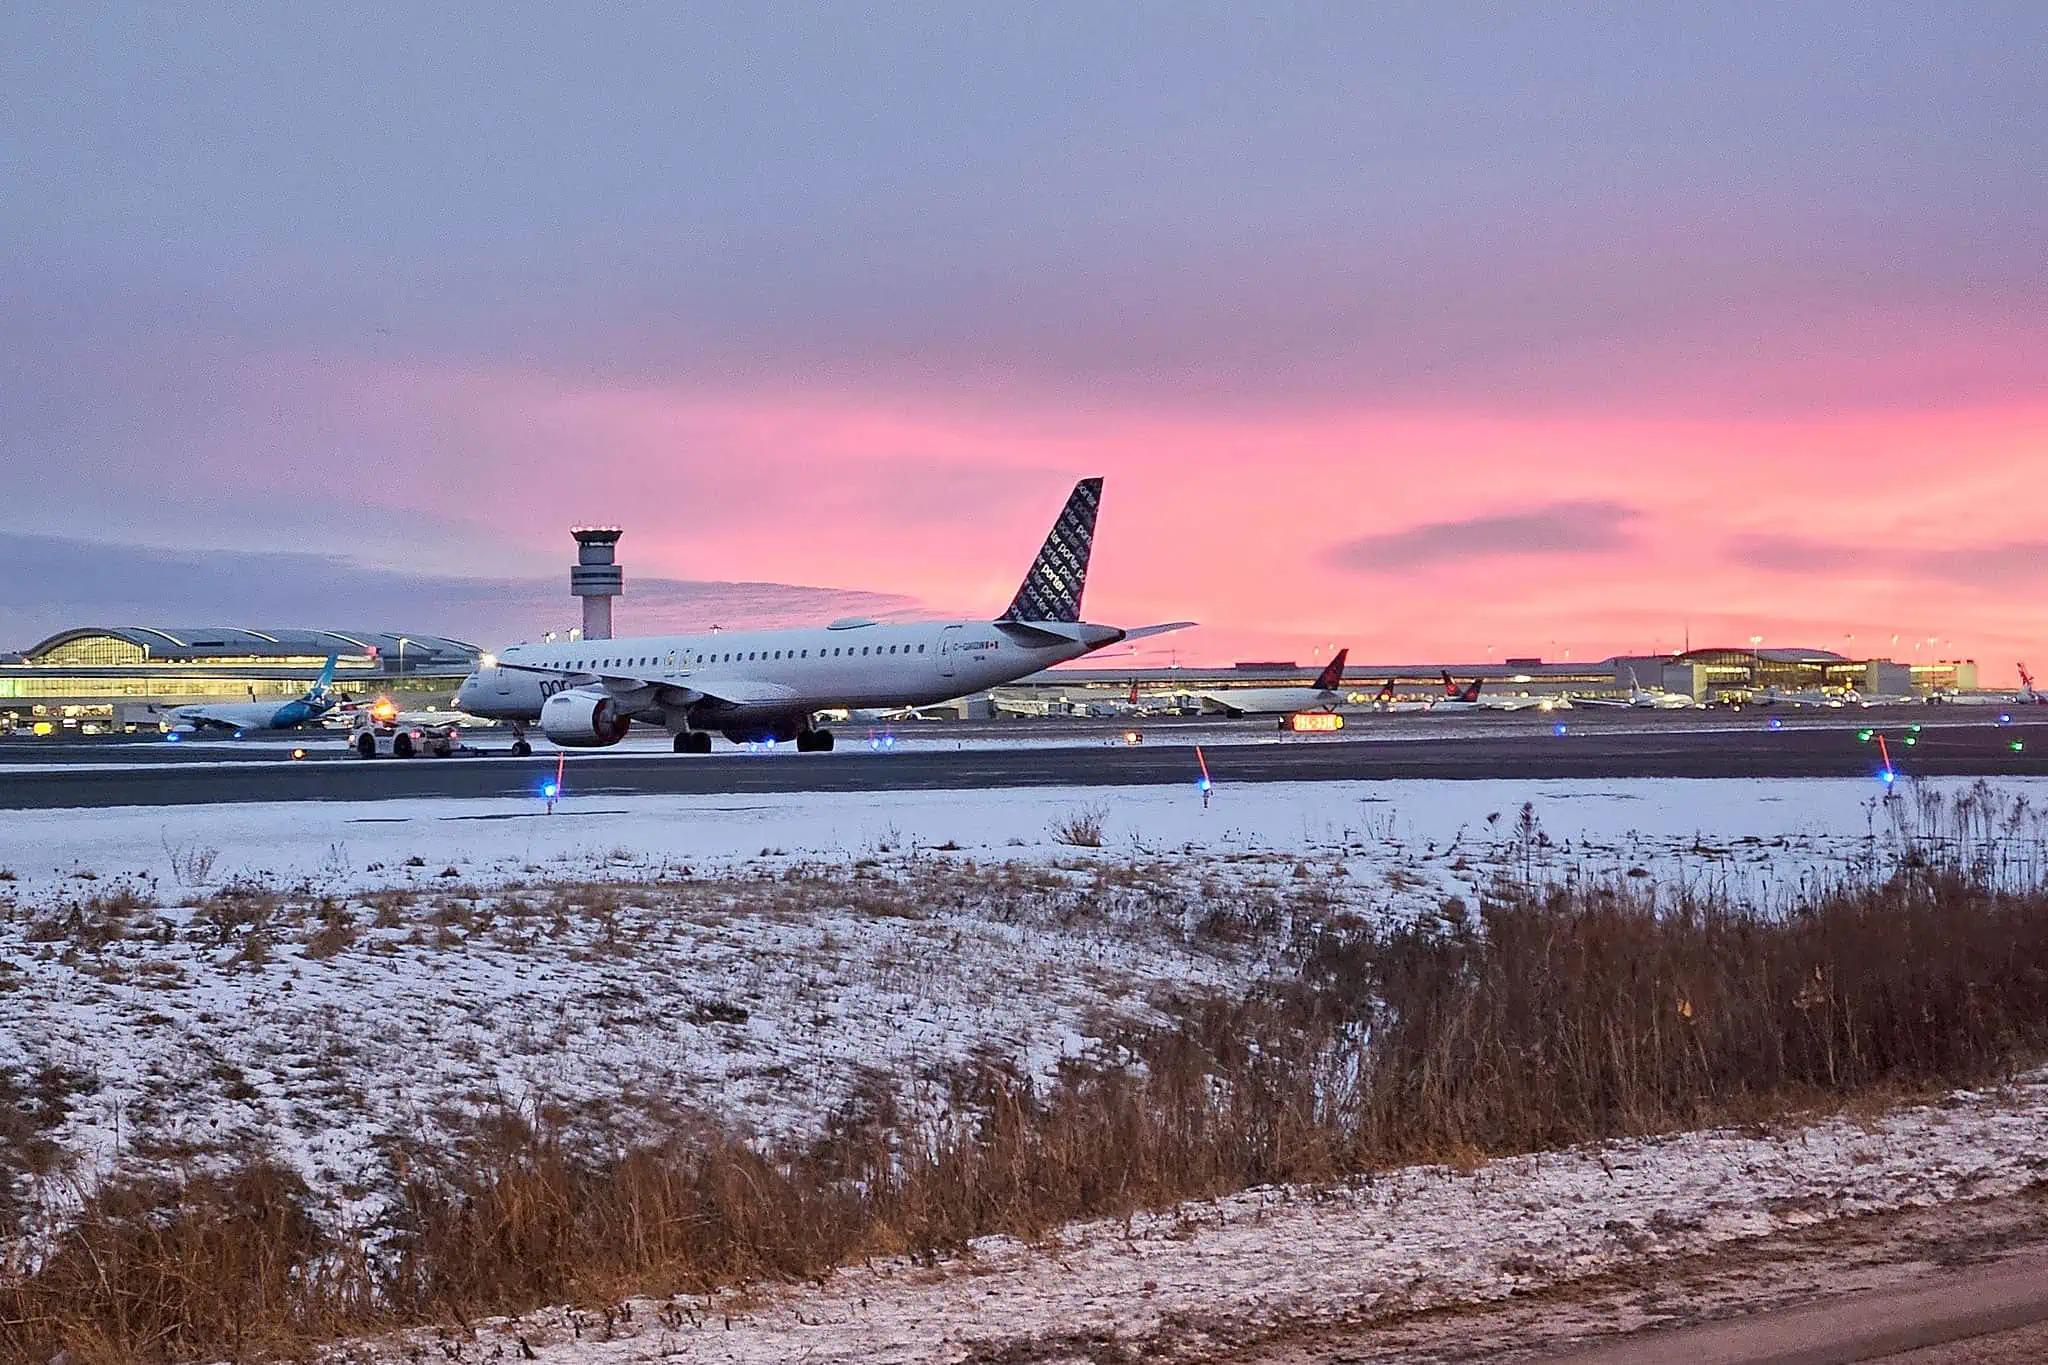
1641 698
1467 698
1323 694
2028 695
244 717
875 715
1809 697
1386 700
768 686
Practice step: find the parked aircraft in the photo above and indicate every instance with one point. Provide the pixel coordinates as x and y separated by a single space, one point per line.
770 685
239 718
1468 698
1641 698
1388 701
1811 697
1324 694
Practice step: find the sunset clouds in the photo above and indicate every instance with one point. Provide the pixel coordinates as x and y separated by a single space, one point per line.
1427 332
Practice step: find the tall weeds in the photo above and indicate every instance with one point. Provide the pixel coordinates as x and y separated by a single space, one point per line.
1553 1020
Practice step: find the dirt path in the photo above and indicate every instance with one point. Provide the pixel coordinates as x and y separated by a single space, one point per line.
1896 1286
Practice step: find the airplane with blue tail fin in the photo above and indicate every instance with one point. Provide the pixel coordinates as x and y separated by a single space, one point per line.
239 718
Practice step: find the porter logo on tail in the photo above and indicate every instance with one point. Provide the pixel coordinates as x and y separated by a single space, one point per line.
1052 590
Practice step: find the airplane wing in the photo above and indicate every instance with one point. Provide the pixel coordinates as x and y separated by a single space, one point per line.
636 689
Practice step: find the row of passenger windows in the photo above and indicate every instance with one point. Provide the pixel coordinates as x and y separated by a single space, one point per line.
746 656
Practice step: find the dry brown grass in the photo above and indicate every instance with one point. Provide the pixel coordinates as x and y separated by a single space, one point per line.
1544 1022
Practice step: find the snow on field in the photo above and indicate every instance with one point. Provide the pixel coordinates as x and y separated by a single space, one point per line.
1759 839
316 978
1187 1284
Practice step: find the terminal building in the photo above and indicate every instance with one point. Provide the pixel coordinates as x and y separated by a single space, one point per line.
1706 675
87 672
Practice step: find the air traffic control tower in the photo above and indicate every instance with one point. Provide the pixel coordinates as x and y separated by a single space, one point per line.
596 577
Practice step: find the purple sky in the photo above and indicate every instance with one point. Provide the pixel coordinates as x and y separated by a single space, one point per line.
1430 329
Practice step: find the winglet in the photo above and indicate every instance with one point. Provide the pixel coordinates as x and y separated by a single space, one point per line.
1332 676
1051 591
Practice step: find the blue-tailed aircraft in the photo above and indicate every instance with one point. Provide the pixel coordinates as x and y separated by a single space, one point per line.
246 717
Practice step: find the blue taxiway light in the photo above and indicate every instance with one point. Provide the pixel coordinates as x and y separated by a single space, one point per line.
1888 777
550 790
1558 729
173 737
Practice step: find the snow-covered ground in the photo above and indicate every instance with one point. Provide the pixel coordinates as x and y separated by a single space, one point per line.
1751 838
1186 1284
314 978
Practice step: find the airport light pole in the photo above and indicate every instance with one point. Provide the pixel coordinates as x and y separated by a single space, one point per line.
402 643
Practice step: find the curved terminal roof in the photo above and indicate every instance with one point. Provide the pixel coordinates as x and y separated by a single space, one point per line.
200 643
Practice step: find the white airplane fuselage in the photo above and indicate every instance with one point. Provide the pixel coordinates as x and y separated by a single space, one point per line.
795 673
1267 701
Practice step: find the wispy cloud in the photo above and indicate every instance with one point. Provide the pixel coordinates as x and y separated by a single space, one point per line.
1782 553
83 582
2019 560
1589 526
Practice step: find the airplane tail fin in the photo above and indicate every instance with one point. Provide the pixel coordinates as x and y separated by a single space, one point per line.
1332 676
1471 692
1450 688
326 678
2026 680
1052 590
1386 691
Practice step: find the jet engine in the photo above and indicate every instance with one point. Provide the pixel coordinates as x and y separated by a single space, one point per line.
582 720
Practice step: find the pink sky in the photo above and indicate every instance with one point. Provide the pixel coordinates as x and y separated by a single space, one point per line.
1407 535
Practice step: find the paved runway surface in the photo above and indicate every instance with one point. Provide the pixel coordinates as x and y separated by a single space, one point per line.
85 773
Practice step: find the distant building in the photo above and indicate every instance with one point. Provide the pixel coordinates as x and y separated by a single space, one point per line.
1945 675
94 666
1735 672
1703 674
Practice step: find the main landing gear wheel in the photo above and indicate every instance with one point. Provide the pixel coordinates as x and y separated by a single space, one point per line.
521 749
814 741
693 742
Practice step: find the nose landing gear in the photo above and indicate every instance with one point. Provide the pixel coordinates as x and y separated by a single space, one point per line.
520 748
